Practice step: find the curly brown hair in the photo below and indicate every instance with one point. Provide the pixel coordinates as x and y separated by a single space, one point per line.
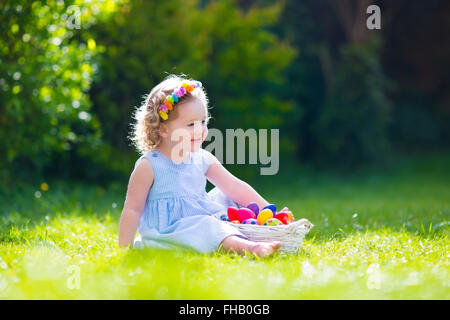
145 134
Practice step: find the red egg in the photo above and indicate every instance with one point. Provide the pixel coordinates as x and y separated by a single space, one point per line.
289 213
232 213
245 213
283 217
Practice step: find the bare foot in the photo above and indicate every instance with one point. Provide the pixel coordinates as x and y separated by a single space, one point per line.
265 249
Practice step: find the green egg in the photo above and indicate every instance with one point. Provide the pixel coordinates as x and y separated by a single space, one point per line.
272 222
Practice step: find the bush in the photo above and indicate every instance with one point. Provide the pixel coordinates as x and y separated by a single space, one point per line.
352 127
240 62
47 60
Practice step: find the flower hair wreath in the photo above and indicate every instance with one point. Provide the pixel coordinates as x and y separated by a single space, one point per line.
171 99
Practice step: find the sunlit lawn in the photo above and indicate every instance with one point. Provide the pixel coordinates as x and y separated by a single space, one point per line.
376 236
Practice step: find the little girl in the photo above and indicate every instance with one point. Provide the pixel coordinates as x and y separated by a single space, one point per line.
166 201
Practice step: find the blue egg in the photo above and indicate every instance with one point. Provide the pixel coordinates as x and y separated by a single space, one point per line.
224 217
271 207
250 221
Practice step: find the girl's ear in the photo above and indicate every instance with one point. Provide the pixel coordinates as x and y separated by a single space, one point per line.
163 130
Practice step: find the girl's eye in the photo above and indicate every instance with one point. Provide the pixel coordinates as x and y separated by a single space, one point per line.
191 124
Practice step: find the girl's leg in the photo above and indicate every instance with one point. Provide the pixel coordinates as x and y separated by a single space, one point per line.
240 245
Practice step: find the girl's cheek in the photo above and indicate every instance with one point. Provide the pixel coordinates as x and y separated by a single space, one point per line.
189 131
181 134
198 131
205 133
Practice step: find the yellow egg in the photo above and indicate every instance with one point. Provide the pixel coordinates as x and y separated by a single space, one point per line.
264 215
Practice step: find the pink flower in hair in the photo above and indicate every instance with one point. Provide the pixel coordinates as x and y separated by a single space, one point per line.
163 107
181 92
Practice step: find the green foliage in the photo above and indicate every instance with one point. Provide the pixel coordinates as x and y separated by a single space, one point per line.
240 62
415 125
353 125
46 67
248 86
67 94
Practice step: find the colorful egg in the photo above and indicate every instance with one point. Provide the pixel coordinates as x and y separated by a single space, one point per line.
224 217
283 217
272 207
245 213
272 222
290 216
250 221
232 213
236 222
264 215
254 207
289 213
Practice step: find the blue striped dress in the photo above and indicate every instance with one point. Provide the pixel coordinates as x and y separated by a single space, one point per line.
177 212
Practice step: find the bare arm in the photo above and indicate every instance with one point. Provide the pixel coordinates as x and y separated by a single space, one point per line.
141 180
238 190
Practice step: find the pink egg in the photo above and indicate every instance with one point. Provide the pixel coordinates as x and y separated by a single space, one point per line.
245 213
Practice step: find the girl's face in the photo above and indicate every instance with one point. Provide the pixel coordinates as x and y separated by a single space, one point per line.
186 125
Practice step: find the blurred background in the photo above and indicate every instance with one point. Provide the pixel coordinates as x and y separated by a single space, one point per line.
344 97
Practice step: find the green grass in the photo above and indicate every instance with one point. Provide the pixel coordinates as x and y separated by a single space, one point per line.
376 236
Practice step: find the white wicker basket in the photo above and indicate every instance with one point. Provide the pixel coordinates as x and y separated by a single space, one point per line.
291 235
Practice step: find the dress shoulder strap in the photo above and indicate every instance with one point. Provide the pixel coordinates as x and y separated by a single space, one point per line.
148 155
